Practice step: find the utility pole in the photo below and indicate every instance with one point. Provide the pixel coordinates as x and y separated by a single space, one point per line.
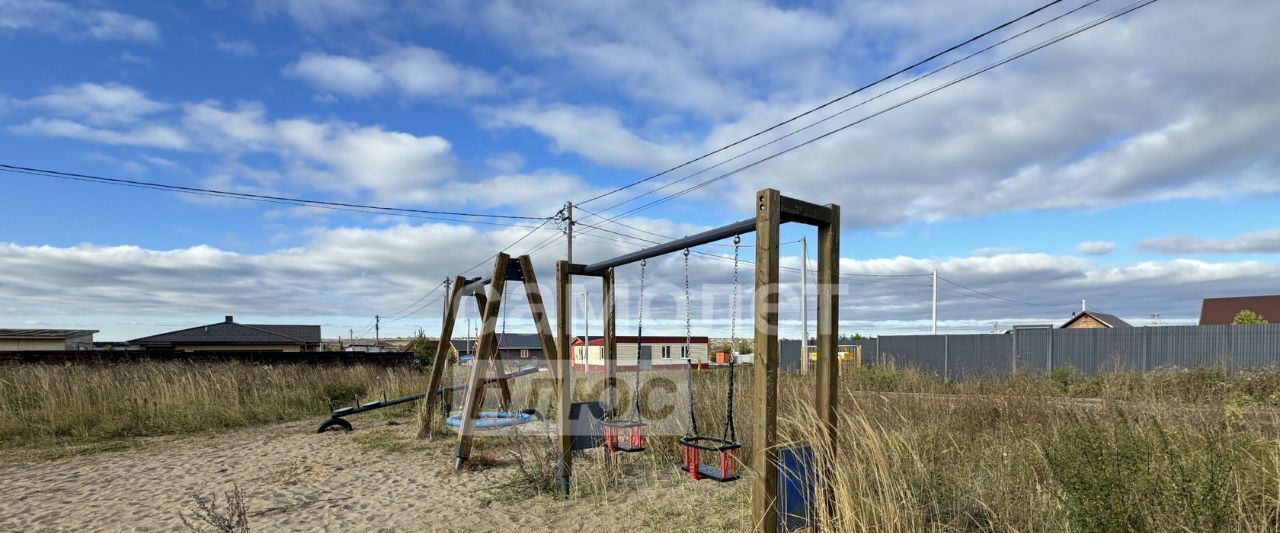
586 319
568 256
935 301
804 307
1083 306
377 330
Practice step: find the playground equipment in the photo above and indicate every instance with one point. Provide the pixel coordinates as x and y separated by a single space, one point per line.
771 210
337 418
724 467
503 417
627 435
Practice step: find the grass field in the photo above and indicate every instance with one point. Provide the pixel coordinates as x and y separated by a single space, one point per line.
1194 450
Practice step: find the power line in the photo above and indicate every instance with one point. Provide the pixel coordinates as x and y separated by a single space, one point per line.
1044 44
343 206
824 105
1001 298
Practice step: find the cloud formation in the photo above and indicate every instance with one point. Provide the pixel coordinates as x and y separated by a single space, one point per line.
1258 242
414 71
1096 247
73 23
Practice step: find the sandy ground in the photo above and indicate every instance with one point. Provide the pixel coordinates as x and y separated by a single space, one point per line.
295 480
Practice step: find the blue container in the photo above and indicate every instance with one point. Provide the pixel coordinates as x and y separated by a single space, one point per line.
796 479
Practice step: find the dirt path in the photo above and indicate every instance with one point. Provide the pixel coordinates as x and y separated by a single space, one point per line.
295 480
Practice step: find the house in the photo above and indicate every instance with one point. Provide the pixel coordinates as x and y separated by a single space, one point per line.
230 335
1221 311
1094 319
520 348
655 352
25 340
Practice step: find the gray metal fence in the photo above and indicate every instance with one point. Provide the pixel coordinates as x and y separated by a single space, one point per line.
1087 350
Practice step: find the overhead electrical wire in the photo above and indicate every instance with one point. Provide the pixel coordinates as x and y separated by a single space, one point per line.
825 104
323 204
1080 29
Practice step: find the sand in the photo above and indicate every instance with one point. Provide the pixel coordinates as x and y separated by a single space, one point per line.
295 480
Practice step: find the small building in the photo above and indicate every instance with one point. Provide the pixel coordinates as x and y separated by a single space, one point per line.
1222 311
653 352
230 335
1094 319
517 348
27 340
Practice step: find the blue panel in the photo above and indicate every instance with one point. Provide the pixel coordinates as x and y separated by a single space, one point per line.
795 487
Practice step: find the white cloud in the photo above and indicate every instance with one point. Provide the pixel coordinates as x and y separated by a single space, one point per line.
74 22
415 71
338 74
147 135
1265 241
110 103
593 132
242 48
352 271
1096 247
319 14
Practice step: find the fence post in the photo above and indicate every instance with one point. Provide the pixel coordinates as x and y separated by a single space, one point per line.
946 357
1013 360
1146 348
1049 365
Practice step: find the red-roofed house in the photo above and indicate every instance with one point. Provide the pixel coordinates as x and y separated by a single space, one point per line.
1221 311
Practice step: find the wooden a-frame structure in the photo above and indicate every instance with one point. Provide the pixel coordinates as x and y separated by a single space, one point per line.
486 354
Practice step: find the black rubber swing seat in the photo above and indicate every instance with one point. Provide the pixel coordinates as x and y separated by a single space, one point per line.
623 436
692 459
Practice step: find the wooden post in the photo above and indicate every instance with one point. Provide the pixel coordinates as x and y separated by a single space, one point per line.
539 311
764 433
564 321
827 399
426 409
609 345
474 394
495 355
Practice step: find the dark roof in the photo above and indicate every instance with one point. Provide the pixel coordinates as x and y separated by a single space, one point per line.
228 332
1110 320
44 333
1220 311
513 341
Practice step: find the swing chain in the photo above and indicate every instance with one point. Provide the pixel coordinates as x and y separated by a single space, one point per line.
688 333
635 390
730 433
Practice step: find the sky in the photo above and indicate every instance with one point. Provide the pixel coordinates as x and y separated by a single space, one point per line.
1132 165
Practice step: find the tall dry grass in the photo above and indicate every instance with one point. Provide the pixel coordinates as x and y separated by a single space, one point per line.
44 405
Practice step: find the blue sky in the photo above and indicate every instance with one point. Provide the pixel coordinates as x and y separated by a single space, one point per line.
1130 165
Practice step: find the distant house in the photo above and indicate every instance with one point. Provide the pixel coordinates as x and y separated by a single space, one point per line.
1221 311
1094 319
653 352
24 340
231 335
518 348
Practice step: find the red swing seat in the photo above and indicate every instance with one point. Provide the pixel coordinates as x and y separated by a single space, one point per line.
723 470
625 436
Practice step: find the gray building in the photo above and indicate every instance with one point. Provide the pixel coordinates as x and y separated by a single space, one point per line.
23 340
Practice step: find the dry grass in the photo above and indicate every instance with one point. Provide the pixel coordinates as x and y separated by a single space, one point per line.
44 405
1191 450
